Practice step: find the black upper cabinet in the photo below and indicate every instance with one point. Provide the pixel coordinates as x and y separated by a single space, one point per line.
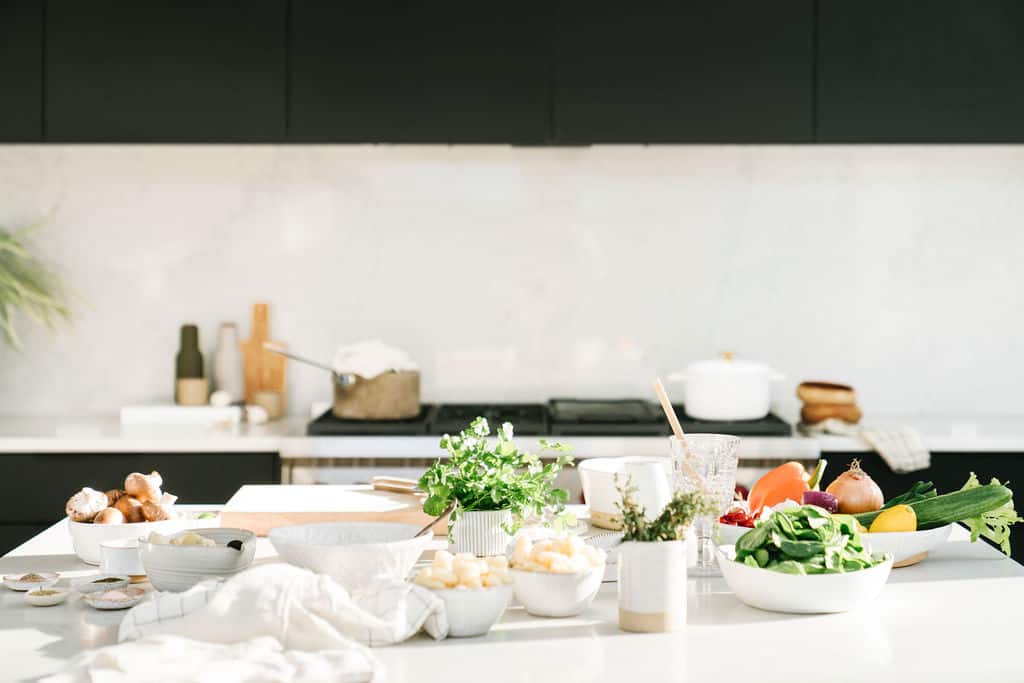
665 71
21 70
165 71
419 72
911 71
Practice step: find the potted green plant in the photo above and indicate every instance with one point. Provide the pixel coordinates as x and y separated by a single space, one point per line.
652 561
490 486
26 285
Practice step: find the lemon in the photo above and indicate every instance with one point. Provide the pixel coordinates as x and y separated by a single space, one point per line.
896 518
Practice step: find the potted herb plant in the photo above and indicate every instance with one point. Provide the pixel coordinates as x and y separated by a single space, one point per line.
652 562
26 285
490 486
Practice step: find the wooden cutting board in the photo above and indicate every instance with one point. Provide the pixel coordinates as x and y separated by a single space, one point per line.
263 370
261 508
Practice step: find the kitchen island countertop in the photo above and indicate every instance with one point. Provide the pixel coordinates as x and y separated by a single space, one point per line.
287 436
953 617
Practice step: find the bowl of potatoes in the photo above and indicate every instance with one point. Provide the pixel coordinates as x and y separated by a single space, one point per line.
475 590
556 577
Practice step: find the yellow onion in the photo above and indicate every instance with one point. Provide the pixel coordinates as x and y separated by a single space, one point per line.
856 491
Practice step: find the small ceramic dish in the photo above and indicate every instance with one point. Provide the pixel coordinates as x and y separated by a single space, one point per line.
546 594
15 582
473 611
117 598
46 597
95 583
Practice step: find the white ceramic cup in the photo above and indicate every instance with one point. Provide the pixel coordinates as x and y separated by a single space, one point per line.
121 556
653 488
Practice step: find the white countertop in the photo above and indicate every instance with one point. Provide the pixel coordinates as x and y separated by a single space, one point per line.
954 617
984 434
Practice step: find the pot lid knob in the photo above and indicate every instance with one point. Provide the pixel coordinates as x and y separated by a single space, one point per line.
727 356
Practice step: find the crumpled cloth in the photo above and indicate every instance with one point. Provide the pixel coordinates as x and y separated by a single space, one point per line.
275 622
902 448
371 358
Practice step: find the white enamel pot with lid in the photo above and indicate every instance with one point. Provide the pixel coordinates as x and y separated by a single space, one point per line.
727 389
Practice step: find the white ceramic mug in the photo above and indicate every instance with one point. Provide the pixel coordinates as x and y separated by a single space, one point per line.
121 556
653 488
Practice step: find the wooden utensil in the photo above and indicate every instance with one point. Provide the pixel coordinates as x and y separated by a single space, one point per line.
677 429
264 371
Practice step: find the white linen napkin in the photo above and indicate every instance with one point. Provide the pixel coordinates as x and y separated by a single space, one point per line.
371 358
316 624
902 448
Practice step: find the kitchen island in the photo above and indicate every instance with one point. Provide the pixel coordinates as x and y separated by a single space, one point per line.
954 617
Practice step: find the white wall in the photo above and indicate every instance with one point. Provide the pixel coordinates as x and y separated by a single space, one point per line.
519 273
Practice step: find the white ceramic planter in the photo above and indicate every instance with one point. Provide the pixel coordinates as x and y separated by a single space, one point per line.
480 532
652 586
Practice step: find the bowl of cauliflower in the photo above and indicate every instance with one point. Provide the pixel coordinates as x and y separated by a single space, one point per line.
475 590
556 577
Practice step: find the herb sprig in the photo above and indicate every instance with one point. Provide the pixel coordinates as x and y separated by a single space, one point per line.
670 525
493 474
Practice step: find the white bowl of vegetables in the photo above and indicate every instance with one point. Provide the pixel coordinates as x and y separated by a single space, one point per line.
803 560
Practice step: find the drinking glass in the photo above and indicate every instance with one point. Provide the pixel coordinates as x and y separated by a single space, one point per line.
713 458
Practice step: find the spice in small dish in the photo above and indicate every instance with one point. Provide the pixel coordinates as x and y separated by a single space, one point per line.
109 579
45 591
32 578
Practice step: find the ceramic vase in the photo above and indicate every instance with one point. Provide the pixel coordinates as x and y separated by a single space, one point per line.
652 586
481 532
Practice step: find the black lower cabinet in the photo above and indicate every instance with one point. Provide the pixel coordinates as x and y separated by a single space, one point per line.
948 472
46 480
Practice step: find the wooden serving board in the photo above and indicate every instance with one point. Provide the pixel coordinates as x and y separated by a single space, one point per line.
263 370
261 508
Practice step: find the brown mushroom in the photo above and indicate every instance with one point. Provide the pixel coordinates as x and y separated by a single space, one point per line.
85 505
109 516
131 508
113 495
144 486
153 512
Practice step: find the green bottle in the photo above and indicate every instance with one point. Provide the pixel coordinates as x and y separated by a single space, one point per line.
189 362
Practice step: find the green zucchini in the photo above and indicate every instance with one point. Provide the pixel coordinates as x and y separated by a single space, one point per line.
952 507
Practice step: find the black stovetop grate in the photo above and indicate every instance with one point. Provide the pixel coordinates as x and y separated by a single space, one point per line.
527 418
328 425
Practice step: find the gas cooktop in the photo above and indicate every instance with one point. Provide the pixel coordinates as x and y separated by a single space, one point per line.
558 417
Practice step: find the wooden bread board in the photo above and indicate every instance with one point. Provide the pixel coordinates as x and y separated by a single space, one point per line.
261 508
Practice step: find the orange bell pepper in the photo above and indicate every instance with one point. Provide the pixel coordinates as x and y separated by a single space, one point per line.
786 482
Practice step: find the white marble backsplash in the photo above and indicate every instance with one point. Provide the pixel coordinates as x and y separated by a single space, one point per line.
521 273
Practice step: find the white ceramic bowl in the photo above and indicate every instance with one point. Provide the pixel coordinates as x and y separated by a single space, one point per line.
36 600
352 553
546 594
103 600
49 579
904 545
179 567
799 594
87 584
728 534
597 476
473 611
86 537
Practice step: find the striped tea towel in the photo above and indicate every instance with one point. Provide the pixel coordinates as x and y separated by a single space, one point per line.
901 447
239 620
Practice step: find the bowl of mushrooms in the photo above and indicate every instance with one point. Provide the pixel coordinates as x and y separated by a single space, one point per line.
141 506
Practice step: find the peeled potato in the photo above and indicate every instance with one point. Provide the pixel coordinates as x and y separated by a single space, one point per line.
131 509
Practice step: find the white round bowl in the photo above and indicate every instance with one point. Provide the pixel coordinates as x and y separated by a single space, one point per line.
904 545
546 594
473 611
102 600
13 581
179 567
351 553
46 600
800 594
86 537
728 534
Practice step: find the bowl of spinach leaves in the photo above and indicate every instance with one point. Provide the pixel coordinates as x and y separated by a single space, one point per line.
804 560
